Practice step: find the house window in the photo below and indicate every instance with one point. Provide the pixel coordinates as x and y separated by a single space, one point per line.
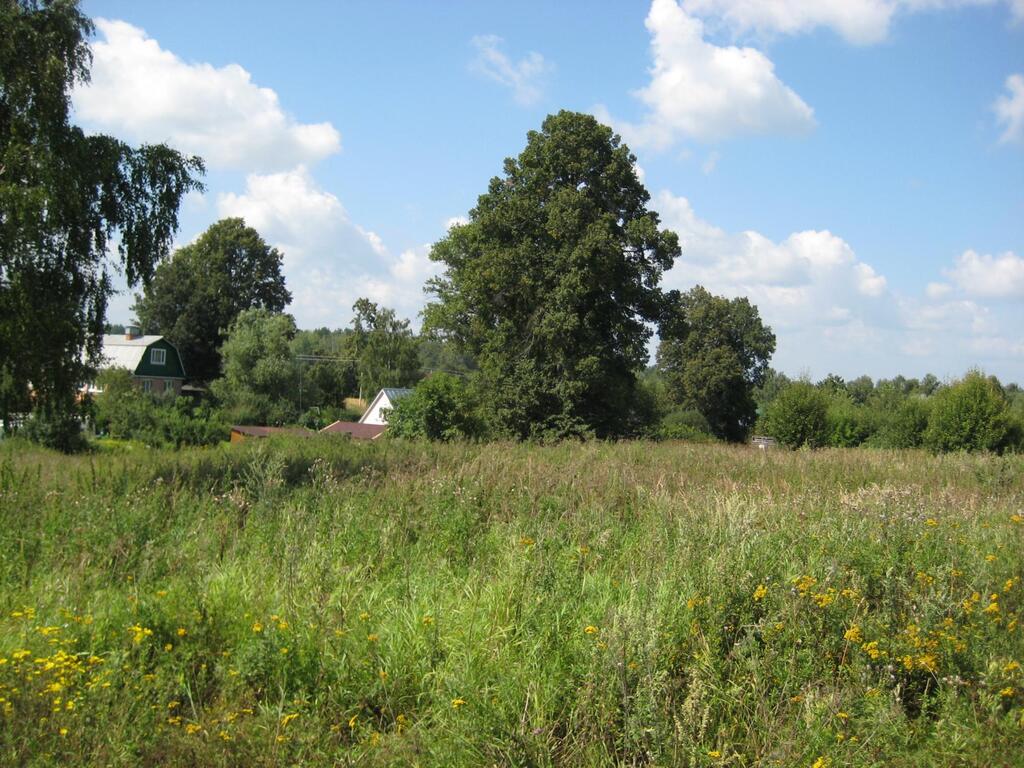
158 356
147 385
168 385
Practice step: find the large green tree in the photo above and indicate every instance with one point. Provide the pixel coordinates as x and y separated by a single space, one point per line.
65 198
196 295
551 283
386 349
714 353
261 376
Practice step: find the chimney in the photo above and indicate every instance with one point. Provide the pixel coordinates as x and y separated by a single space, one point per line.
132 332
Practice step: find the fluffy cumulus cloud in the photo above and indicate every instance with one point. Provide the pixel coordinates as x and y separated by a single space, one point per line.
1009 109
702 91
147 94
832 311
858 21
329 260
986 276
525 77
809 278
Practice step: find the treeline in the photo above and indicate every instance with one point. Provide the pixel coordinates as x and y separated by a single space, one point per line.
975 413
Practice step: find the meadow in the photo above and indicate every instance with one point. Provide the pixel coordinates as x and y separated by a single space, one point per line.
324 602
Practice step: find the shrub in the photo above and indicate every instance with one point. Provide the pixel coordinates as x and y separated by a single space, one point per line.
849 424
971 415
440 408
904 427
799 416
59 430
685 424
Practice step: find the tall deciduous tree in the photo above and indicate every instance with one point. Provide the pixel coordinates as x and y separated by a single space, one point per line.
551 283
714 352
261 376
386 349
196 295
64 198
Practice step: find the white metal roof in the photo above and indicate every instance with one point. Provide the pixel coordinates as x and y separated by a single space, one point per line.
119 352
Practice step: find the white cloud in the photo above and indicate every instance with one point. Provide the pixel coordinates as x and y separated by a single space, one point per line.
811 277
525 77
147 94
1009 109
937 290
989 276
861 22
710 163
706 92
329 261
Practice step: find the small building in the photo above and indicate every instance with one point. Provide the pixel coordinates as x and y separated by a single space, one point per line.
763 442
385 400
355 430
241 433
153 361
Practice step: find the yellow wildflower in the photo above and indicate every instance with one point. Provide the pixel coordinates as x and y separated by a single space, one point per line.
372 637
931 521
352 721
1007 692
257 627
821 762
182 631
714 754
990 558
456 703
1011 666
382 674
590 629
63 731
428 620
526 541
853 634
364 616
288 718
760 592
191 728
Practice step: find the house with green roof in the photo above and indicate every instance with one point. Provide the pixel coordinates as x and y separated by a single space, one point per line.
154 363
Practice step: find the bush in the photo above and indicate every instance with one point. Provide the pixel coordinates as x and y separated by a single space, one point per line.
59 430
849 424
440 408
799 416
904 427
971 415
124 412
685 424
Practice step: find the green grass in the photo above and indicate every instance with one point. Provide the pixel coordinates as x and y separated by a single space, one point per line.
323 602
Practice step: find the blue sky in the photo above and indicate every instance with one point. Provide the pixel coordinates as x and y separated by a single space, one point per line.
855 167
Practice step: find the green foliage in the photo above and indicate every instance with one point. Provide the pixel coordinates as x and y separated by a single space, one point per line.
124 412
798 416
685 424
261 376
325 383
970 415
849 424
440 408
65 197
713 353
386 349
59 430
329 602
195 296
551 283
902 427
774 383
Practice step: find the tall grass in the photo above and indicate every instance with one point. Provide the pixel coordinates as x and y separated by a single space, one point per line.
330 603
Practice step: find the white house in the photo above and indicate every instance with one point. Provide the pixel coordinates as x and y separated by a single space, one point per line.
384 401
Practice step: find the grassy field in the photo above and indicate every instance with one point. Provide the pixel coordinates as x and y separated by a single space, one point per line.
329 603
